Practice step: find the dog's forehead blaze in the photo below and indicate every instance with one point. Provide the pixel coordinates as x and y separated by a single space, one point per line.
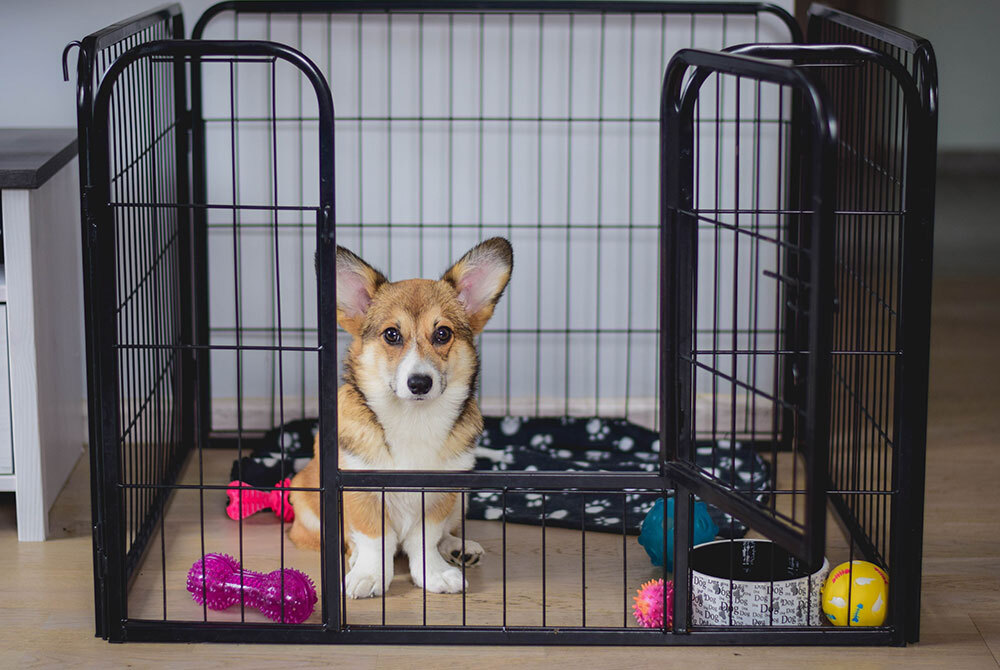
416 304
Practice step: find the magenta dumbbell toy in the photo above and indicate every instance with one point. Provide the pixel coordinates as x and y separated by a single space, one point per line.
216 580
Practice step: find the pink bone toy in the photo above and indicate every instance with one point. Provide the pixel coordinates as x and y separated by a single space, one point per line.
216 580
254 500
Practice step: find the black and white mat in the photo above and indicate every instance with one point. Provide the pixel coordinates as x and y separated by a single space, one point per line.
566 444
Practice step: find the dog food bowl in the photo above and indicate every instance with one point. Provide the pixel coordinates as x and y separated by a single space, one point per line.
768 586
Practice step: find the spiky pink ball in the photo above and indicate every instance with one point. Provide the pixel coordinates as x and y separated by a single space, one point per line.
648 608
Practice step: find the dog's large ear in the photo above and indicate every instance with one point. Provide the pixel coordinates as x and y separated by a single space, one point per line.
480 278
356 285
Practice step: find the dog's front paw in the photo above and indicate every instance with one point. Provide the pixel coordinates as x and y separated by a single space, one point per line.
361 583
454 552
448 580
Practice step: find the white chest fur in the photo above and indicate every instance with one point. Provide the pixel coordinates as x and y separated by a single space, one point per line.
415 435
416 432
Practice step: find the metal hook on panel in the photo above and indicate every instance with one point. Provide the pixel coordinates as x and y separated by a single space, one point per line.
65 56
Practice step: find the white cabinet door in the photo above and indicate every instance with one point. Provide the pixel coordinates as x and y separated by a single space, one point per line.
6 446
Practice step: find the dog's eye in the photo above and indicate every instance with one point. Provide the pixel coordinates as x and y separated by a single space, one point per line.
392 336
442 335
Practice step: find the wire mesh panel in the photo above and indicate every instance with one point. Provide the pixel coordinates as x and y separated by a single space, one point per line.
534 122
146 280
885 209
862 412
760 347
146 168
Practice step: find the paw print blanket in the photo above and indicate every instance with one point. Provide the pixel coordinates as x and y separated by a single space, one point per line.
544 443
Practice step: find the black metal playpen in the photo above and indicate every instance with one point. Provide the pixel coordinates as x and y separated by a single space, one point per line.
722 231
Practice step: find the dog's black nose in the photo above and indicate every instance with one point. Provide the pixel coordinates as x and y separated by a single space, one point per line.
419 384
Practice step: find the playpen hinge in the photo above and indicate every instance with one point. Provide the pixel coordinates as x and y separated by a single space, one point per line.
325 215
680 406
87 198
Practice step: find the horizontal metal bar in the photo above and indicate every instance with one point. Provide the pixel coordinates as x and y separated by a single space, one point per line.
743 385
117 32
188 631
215 347
490 7
863 284
345 118
841 212
418 489
880 31
443 226
598 481
213 487
736 504
785 352
519 331
145 152
749 231
188 205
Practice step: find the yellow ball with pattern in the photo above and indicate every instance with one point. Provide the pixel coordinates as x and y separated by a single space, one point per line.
856 594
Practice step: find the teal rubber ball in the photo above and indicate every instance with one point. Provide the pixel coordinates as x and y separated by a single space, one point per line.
651 535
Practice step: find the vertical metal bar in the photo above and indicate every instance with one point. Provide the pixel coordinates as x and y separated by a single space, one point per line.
715 282
755 274
631 219
420 144
583 559
341 555
625 562
912 379
303 263
184 218
277 290
361 136
569 216
479 153
464 582
87 61
238 302
544 604
822 239
326 291
272 168
538 230
510 199
423 548
734 359
126 322
388 142
382 515
503 551
781 393
600 220
683 520
451 136
200 363
106 374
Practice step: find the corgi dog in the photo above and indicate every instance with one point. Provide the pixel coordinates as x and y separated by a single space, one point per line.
407 402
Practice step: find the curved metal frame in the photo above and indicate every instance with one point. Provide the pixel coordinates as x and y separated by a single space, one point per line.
90 46
498 6
103 320
678 239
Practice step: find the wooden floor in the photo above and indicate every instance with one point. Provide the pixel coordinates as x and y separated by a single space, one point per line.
504 589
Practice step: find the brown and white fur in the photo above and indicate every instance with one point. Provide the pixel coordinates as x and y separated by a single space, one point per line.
407 403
